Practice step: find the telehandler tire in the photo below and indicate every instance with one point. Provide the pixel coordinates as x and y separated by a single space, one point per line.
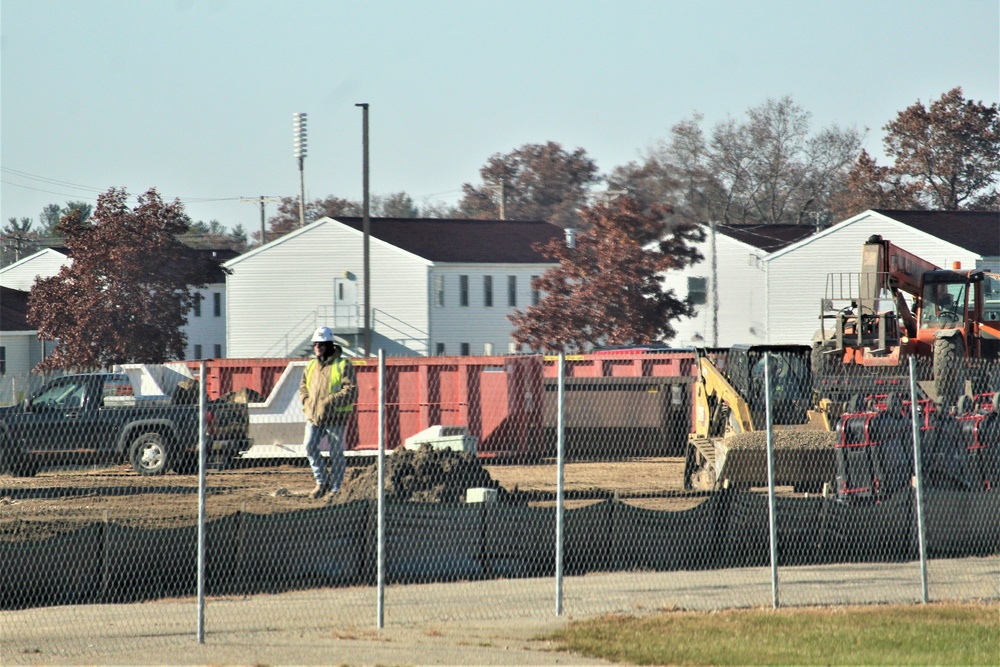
949 369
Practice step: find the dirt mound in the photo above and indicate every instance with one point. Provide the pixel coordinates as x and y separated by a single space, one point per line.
425 475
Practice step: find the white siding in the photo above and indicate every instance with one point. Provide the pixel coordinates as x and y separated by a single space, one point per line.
21 275
481 327
207 329
796 276
741 294
18 352
22 352
278 294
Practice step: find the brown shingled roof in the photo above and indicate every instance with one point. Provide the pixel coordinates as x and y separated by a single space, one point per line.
769 238
459 240
976 231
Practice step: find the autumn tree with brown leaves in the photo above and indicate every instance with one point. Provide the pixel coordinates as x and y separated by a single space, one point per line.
607 290
944 157
540 182
126 294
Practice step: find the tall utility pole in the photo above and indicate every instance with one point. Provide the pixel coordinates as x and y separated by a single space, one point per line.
299 143
263 225
715 284
365 224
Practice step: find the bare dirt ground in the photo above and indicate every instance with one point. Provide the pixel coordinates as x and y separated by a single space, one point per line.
57 501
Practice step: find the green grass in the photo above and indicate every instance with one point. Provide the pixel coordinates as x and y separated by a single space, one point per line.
935 634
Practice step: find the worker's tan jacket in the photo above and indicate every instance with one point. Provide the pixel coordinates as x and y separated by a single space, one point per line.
328 390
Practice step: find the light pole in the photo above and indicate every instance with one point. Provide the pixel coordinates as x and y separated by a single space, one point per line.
365 224
299 143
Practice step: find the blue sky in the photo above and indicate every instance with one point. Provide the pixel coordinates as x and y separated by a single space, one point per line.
195 97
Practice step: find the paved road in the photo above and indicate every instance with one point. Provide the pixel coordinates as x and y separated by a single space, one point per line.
480 623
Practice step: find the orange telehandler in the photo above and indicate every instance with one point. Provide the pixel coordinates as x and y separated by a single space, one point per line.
951 320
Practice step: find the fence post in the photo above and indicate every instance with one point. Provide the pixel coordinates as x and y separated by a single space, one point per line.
106 560
560 474
917 470
771 501
380 540
202 462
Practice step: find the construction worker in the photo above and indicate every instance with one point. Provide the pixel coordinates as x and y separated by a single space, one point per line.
328 391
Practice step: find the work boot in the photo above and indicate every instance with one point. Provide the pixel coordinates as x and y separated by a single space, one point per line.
318 492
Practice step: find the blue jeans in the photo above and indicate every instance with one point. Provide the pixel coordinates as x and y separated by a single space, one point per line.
333 477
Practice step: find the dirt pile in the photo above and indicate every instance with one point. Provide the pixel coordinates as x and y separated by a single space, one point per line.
425 475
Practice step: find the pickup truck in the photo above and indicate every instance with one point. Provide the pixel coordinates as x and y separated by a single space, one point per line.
97 417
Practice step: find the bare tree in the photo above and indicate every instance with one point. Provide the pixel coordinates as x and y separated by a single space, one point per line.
767 168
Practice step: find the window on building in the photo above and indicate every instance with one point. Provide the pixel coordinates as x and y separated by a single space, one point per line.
465 349
197 351
488 349
439 349
3 360
511 290
513 347
463 290
217 351
439 291
697 290
197 305
217 303
535 296
488 291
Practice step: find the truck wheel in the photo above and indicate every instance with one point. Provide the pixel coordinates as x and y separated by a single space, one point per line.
149 454
949 367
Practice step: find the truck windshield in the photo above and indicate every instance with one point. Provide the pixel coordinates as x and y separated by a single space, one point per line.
66 395
943 305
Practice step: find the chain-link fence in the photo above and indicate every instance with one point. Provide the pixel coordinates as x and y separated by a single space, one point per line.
509 486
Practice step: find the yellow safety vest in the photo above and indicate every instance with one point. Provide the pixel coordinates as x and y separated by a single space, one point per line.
336 374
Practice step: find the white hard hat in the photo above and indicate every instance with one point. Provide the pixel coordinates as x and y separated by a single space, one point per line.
323 335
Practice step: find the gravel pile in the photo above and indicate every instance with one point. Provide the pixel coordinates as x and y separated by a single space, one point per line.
783 440
425 475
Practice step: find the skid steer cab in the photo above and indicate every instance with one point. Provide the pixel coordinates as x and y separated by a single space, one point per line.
728 444
730 394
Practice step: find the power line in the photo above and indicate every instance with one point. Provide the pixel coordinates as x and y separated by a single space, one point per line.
206 200
50 192
46 179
